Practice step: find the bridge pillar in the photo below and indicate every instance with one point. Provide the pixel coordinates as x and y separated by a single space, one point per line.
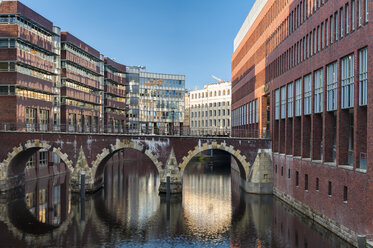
260 175
175 176
82 165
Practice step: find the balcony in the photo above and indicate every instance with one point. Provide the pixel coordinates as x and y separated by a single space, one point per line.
79 78
115 91
81 95
114 104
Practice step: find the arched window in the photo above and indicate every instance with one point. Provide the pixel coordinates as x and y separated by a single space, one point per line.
210 93
229 92
219 93
214 93
223 92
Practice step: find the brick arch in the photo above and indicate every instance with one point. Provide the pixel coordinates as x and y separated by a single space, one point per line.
20 154
99 164
243 165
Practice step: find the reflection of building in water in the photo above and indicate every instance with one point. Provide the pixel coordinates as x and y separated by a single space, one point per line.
207 203
44 200
131 190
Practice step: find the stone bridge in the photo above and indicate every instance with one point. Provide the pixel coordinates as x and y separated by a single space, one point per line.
170 154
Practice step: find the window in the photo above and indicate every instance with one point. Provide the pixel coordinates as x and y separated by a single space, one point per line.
347 21
326 33
277 104
353 14
363 76
288 173
257 111
331 81
30 119
251 113
330 188
290 100
319 82
283 102
336 25
43 158
306 182
347 72
331 29
359 12
298 97
282 171
366 10
307 94
43 119
341 24
317 184
296 178
345 192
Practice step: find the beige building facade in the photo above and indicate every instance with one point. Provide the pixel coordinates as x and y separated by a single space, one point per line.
210 110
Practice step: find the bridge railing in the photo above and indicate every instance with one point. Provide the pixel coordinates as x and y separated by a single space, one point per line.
110 129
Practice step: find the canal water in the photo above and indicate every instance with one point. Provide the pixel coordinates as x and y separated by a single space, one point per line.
211 212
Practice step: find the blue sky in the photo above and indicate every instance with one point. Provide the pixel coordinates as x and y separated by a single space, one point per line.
190 37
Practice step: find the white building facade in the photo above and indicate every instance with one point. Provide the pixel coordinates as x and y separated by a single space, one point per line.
210 110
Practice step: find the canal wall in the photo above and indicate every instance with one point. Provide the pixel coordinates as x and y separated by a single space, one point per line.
332 225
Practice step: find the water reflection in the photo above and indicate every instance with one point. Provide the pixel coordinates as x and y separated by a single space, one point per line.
212 211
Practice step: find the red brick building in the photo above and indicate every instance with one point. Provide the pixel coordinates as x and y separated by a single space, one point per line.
114 100
27 68
316 68
81 85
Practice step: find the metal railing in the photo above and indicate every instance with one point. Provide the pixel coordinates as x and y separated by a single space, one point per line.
109 129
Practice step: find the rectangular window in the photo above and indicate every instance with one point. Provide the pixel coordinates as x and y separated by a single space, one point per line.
318 38
251 113
345 192
290 100
317 184
283 102
43 119
341 17
330 188
43 158
30 119
277 104
298 97
353 14
359 14
347 80
366 10
319 82
363 76
306 182
336 25
307 94
347 21
331 29
331 81
322 36
257 111
326 33
288 173
296 178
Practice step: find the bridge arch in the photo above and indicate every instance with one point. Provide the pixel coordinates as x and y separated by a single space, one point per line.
98 165
243 165
15 162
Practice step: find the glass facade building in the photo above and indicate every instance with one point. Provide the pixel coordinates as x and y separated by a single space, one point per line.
161 103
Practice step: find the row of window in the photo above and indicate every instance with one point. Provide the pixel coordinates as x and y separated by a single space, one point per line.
43 160
13 67
215 104
209 94
211 123
219 112
79 70
11 90
328 32
79 104
80 53
246 114
285 95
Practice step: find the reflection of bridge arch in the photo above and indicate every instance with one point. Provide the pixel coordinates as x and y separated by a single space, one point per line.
15 163
25 226
243 165
98 165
